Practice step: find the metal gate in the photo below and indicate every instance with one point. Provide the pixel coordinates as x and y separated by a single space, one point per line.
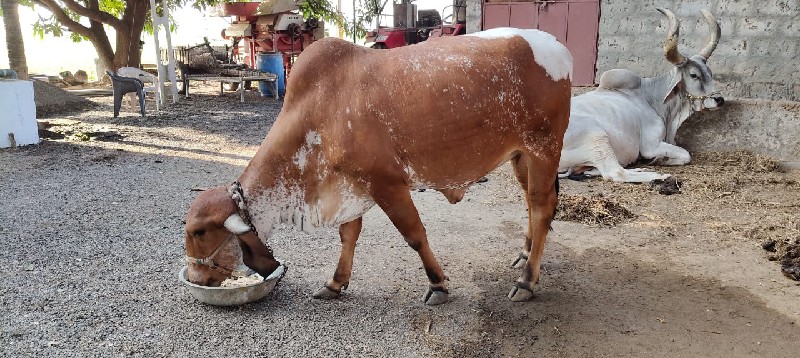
574 23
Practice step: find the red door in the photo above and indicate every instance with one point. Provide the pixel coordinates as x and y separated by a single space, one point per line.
574 23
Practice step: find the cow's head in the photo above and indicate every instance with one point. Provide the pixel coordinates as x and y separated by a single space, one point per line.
218 240
691 77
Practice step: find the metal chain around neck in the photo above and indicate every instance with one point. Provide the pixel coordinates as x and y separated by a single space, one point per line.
237 195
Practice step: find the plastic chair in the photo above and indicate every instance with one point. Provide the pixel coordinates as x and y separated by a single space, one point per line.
146 78
123 85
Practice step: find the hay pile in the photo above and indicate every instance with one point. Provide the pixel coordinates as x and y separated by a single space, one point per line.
51 100
742 160
595 210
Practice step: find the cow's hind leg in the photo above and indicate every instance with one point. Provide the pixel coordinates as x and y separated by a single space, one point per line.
397 204
521 173
348 232
542 198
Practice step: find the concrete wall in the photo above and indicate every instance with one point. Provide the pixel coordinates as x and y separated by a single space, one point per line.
766 127
474 15
758 55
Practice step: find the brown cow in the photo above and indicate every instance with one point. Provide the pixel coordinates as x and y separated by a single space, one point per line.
361 127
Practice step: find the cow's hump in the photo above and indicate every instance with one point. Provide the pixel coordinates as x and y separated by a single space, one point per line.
619 79
547 51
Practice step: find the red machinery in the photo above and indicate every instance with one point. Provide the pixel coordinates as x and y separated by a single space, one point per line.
268 26
411 27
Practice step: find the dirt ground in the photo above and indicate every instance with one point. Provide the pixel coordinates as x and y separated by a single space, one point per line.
91 226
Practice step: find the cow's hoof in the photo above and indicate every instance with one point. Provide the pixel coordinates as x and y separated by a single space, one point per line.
326 293
435 296
520 262
520 292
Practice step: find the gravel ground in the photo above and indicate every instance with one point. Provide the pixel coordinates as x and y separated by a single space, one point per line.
91 232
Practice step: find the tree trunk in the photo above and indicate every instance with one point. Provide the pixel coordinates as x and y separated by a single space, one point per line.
99 38
16 48
128 51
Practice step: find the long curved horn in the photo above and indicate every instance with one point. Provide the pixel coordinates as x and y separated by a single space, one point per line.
671 44
713 35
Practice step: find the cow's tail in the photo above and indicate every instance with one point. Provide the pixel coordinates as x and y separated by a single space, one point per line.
555 210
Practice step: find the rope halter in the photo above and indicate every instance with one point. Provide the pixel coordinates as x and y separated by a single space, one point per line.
209 261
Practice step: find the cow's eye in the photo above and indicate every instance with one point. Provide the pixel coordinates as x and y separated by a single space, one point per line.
199 233
692 75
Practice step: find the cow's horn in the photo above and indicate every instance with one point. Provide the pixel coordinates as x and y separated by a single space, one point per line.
713 35
236 225
671 44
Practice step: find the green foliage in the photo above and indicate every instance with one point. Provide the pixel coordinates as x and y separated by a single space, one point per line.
355 24
366 11
113 7
322 10
48 25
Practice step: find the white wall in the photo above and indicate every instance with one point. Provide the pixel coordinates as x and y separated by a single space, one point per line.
19 113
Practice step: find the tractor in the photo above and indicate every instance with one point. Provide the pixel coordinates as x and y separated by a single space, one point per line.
412 26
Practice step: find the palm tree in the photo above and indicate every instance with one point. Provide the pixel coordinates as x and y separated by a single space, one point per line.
16 49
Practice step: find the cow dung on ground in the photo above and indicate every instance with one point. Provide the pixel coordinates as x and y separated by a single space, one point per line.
790 263
787 252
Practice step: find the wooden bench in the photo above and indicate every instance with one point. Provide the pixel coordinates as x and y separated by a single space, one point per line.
243 76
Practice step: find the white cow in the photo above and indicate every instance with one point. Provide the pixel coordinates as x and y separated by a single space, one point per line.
629 117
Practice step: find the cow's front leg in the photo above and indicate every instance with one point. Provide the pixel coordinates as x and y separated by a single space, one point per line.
397 204
348 232
667 154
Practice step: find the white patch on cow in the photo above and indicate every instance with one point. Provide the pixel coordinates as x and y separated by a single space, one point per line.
236 225
351 206
464 61
313 138
273 206
347 110
349 125
548 52
300 158
415 181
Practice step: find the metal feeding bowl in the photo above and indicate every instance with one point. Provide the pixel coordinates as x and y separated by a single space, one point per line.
231 296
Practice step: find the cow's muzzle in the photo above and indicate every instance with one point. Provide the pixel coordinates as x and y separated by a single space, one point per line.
699 103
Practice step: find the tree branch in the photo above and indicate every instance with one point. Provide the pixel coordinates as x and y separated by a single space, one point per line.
63 18
96 34
92 14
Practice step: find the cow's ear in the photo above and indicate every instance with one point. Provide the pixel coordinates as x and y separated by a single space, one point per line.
256 255
676 80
